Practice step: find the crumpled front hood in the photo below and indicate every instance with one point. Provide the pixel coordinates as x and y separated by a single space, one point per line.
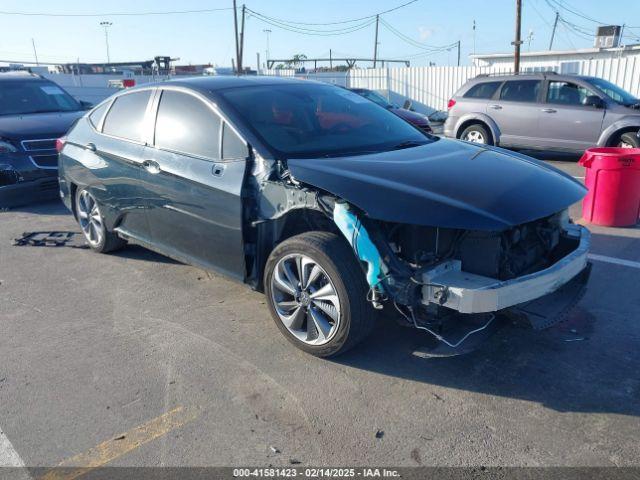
37 125
446 183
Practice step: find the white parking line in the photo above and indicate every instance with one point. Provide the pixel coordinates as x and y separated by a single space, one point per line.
8 456
615 261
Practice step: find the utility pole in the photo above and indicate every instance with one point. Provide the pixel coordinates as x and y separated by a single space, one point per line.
35 53
518 41
458 52
258 63
267 53
375 45
330 60
474 37
553 32
106 26
240 65
235 29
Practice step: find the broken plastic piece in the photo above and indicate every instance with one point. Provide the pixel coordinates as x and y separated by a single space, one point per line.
359 239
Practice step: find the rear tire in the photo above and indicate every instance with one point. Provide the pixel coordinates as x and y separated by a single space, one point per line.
628 140
346 317
477 133
92 224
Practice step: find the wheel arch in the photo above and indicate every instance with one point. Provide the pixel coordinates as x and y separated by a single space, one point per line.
613 131
270 233
478 118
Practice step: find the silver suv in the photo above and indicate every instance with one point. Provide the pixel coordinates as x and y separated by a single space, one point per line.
544 111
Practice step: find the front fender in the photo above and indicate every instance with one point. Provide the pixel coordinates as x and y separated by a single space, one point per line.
629 121
493 126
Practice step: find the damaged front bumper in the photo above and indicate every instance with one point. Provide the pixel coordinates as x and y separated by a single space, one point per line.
448 286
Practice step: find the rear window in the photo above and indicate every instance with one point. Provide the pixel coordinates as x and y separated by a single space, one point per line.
98 113
520 91
483 90
126 117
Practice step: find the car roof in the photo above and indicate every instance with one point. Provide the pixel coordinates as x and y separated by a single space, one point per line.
221 82
525 76
22 75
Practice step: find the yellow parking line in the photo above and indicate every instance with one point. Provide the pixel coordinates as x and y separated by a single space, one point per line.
104 453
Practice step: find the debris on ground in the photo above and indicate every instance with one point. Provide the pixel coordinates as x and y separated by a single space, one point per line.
379 434
274 449
293 461
51 239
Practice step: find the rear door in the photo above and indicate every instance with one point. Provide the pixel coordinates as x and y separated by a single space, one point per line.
114 160
477 97
516 110
195 204
565 122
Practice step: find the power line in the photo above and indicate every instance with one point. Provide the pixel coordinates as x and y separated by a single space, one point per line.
113 14
352 20
410 41
311 31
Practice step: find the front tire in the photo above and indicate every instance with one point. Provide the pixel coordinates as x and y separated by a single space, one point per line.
317 294
628 140
476 133
92 224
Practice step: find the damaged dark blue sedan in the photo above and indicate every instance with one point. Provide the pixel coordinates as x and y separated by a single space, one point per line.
329 204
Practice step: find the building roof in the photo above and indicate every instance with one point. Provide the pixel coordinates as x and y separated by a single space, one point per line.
581 51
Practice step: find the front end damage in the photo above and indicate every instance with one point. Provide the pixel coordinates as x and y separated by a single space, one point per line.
436 277
452 282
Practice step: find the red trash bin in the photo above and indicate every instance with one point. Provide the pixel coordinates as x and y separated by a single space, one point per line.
613 180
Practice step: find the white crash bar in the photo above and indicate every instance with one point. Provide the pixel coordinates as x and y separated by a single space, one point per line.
469 293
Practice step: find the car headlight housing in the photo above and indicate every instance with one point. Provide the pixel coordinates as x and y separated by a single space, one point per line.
7 147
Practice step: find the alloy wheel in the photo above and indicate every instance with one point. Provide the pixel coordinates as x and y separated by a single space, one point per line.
305 299
89 218
624 144
474 136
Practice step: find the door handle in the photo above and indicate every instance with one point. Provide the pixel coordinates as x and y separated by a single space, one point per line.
151 166
217 170
495 107
549 110
91 147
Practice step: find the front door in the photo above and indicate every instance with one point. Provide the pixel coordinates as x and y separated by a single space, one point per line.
516 112
565 122
195 204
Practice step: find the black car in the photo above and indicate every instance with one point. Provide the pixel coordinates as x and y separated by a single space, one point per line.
327 202
34 112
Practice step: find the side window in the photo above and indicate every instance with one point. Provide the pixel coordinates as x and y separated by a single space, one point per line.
567 93
233 147
126 117
186 125
520 91
483 90
98 113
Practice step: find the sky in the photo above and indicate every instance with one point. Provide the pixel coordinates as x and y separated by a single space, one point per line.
208 37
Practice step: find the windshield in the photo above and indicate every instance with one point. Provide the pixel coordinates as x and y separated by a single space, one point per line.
311 120
22 97
614 92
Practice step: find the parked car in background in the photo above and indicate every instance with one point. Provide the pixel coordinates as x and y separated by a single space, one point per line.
419 120
544 111
328 203
34 112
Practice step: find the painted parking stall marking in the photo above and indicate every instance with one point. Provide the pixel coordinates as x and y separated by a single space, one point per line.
614 260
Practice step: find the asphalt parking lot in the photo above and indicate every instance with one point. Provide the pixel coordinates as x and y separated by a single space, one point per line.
134 359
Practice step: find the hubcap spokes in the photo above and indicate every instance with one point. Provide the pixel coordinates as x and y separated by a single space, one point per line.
475 137
90 218
305 299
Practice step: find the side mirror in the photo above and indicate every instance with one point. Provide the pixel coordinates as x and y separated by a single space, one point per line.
593 101
407 104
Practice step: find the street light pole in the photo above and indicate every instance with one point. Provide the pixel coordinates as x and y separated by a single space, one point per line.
106 26
518 40
267 31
